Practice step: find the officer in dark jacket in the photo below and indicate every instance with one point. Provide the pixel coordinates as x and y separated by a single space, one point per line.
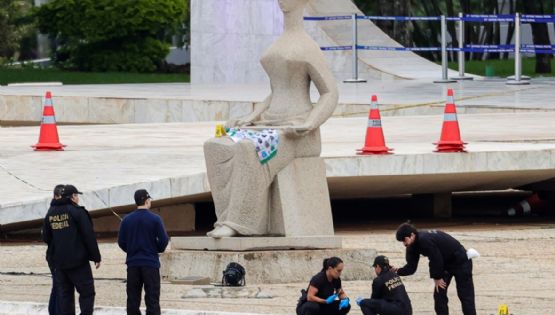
447 258
389 296
69 231
142 236
53 302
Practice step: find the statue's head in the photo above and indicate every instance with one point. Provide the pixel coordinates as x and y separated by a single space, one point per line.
291 5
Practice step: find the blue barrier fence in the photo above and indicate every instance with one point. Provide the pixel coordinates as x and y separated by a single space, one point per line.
327 18
400 18
337 48
525 18
488 18
362 47
463 48
468 48
542 49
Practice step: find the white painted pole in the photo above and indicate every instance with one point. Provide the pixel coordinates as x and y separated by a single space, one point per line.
518 58
444 69
461 52
518 61
461 45
355 78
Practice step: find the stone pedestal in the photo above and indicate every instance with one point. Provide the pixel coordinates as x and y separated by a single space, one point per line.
269 266
300 201
255 243
301 212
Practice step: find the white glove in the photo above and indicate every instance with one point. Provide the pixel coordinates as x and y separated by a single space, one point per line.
472 253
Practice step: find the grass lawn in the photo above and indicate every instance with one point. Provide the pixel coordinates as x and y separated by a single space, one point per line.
503 68
74 77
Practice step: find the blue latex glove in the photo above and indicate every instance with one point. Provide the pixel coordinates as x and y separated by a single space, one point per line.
358 300
344 303
331 298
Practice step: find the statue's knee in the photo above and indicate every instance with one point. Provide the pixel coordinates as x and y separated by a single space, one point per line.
218 150
244 149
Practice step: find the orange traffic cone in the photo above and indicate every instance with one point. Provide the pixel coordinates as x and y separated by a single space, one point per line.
450 140
48 138
529 206
374 142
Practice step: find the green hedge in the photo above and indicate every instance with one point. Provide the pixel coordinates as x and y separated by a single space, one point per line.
111 35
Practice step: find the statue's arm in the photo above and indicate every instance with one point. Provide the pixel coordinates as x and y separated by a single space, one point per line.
247 120
324 81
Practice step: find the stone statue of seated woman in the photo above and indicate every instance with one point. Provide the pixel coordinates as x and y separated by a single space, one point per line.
241 167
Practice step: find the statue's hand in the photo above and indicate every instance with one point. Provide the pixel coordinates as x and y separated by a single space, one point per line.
237 123
297 131
231 123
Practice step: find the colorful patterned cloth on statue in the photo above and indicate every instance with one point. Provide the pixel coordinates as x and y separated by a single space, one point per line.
266 141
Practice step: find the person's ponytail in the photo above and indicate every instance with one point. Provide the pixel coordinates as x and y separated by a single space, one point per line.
325 265
331 262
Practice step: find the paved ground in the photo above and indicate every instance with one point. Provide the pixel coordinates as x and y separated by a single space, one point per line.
515 269
109 162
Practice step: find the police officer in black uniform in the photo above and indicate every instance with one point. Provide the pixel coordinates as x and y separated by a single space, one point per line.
447 258
325 294
389 296
53 302
68 230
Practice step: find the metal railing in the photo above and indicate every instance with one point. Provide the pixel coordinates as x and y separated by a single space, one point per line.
517 48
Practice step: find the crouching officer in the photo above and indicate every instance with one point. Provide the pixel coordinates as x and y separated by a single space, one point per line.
448 259
389 296
69 231
325 294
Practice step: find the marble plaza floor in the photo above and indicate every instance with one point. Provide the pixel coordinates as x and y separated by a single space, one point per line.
109 162
159 103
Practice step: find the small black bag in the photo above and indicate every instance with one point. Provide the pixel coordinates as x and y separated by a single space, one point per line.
234 275
302 299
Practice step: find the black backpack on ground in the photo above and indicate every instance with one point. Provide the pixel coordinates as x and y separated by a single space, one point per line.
234 275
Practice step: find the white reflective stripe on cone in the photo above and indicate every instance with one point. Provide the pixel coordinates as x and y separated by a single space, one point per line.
48 120
374 123
450 117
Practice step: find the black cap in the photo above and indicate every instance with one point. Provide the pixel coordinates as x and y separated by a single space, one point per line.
381 261
141 196
405 230
69 190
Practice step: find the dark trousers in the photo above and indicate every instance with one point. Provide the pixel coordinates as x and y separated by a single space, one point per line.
313 308
53 305
382 307
81 279
136 278
465 289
